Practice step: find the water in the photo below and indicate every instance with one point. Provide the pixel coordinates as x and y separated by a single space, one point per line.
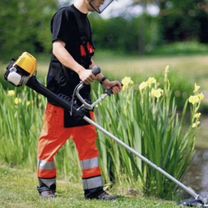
197 175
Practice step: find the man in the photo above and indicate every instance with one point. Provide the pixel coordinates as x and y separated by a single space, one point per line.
71 60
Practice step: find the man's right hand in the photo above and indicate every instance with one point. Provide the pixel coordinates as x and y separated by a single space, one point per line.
86 76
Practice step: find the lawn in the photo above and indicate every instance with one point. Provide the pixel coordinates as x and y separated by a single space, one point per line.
18 190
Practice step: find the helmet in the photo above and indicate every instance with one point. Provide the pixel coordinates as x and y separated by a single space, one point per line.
100 5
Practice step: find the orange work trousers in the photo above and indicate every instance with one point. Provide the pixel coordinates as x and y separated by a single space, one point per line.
52 139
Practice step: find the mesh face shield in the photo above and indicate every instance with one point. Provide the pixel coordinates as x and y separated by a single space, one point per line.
100 5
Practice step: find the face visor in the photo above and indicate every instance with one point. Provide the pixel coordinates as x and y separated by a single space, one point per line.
100 5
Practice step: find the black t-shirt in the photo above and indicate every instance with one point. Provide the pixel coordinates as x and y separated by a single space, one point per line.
62 80
64 27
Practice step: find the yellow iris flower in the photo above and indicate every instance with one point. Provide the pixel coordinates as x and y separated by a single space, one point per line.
143 86
196 88
127 82
17 101
157 93
197 116
196 124
194 99
11 93
151 81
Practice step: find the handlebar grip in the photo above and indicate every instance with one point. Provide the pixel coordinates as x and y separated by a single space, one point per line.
109 92
96 71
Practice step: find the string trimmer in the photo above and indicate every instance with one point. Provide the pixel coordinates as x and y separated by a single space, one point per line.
23 72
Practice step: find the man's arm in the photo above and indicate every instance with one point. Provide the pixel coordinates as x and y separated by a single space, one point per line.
67 60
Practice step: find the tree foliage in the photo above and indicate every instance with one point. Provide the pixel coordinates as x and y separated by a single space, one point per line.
184 20
25 25
181 20
123 34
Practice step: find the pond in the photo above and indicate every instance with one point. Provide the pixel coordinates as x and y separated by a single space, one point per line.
197 174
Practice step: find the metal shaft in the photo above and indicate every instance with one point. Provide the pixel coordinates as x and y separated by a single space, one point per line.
185 188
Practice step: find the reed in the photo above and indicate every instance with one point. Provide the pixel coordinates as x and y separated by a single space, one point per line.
145 117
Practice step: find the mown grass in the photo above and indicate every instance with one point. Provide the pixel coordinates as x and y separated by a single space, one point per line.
18 190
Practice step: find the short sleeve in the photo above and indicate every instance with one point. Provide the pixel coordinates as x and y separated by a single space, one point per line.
60 26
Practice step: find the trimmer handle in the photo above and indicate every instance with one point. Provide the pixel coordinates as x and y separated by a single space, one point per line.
96 71
109 92
86 105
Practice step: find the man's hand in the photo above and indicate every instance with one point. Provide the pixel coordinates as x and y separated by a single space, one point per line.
115 86
86 76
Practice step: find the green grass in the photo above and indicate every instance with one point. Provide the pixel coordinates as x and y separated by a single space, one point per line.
181 48
18 190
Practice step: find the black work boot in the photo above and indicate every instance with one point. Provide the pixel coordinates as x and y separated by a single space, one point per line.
99 194
106 196
47 192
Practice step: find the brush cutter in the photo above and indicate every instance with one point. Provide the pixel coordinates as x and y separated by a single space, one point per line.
23 71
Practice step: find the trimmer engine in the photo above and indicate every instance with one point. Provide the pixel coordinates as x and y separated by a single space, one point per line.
19 71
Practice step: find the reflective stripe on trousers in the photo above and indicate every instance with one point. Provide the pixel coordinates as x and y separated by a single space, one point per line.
44 165
90 168
91 183
89 164
46 169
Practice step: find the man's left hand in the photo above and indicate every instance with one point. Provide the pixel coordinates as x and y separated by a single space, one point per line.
115 86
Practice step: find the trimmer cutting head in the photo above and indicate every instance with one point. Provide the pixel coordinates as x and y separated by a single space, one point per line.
201 201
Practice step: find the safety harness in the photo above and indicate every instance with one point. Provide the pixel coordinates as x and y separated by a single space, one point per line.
86 46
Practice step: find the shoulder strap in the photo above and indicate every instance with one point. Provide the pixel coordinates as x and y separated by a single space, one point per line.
86 45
